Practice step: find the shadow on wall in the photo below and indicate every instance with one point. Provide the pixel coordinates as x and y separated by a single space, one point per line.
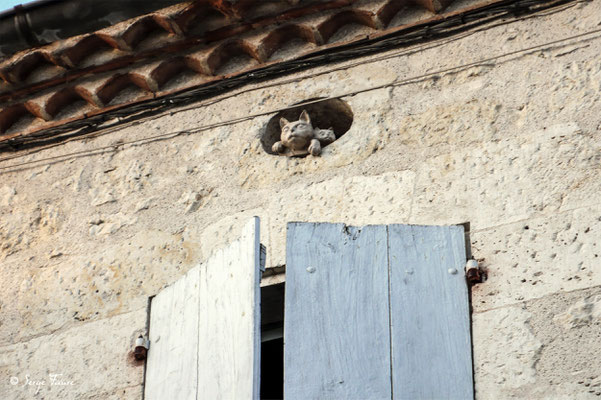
331 113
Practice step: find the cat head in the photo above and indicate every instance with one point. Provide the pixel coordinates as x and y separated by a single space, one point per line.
297 135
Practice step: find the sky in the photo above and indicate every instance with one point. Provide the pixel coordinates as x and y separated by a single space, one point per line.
6 4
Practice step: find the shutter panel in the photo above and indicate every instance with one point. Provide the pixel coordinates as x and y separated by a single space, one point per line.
382 315
430 325
171 368
205 328
336 330
230 320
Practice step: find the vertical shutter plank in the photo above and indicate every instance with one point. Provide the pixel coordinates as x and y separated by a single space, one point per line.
336 331
172 358
205 328
431 347
229 324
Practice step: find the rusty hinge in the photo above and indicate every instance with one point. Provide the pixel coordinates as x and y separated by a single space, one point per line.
473 273
141 348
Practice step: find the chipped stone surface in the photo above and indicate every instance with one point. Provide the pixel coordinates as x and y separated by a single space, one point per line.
193 200
7 195
539 349
585 312
511 179
317 202
505 350
569 355
469 123
71 289
378 199
110 224
538 256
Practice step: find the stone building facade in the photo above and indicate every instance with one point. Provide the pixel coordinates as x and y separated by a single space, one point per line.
495 124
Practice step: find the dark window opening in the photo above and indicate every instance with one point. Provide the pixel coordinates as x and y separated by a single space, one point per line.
272 369
272 342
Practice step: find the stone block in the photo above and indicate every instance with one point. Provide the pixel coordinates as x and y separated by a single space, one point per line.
505 351
465 122
537 257
569 326
82 288
378 199
509 180
543 348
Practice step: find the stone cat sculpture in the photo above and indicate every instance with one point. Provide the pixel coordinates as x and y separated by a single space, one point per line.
300 138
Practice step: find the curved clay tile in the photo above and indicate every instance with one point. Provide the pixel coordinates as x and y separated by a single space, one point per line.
142 28
43 72
200 17
387 12
230 50
86 48
116 42
89 96
4 86
36 108
170 69
329 27
279 37
116 84
63 99
23 68
167 23
10 115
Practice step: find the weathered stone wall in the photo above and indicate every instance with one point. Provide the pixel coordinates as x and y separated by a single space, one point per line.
511 145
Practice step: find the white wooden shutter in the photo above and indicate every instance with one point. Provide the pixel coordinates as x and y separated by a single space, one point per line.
205 328
172 361
376 313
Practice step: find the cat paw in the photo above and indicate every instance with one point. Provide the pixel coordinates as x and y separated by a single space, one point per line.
278 147
315 148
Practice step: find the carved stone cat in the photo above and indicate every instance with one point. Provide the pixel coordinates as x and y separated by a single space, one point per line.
300 138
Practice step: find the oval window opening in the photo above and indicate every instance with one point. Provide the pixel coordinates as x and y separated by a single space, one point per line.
332 113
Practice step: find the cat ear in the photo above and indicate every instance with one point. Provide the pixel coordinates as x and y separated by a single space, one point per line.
283 122
305 117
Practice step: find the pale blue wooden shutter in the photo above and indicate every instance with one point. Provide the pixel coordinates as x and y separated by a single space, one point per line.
429 309
336 321
205 328
379 312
